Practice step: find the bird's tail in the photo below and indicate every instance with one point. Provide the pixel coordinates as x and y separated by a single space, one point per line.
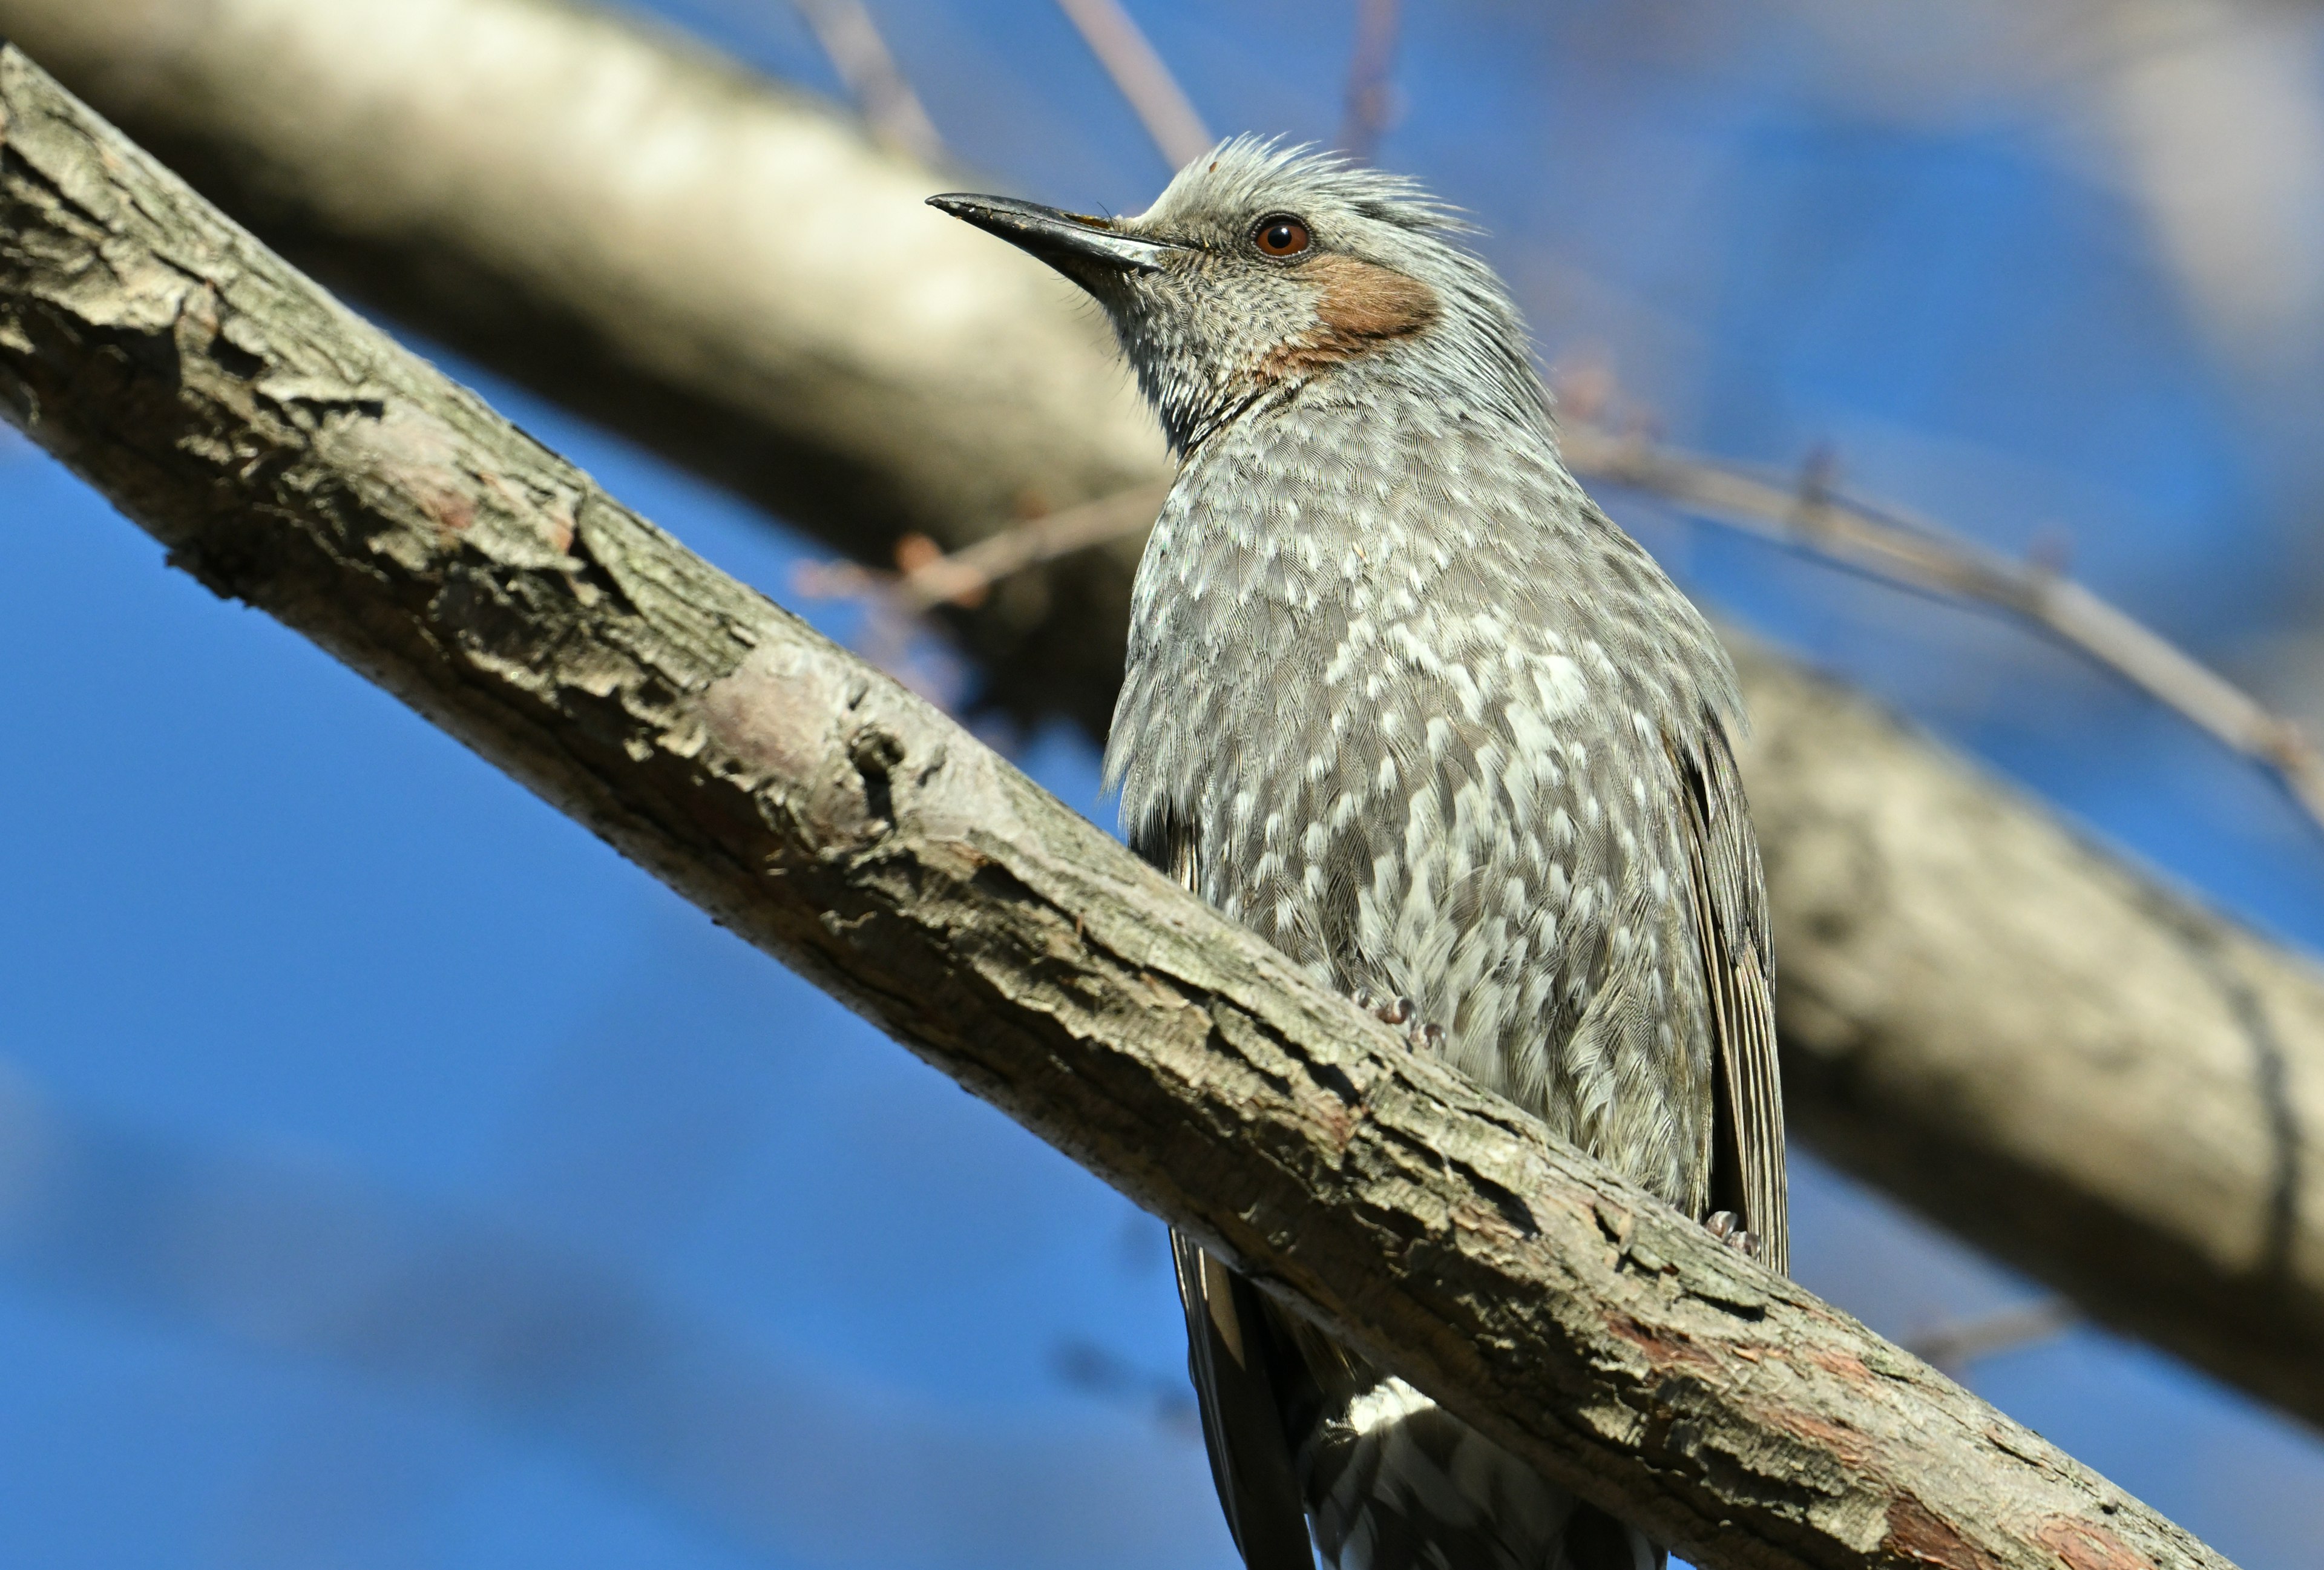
1396 1482
1595 1540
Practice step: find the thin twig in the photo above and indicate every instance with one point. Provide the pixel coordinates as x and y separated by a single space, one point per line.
1918 555
965 575
1371 97
1139 76
1953 1347
860 55
1805 516
896 604
926 577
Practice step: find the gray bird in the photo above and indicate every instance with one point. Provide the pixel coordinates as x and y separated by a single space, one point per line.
1403 701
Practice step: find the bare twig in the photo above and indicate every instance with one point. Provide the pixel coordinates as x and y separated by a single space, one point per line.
963 575
1922 556
1954 1346
1138 74
1371 97
1806 516
925 577
852 39
897 603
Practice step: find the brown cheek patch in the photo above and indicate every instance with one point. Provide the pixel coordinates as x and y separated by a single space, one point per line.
1362 300
1360 306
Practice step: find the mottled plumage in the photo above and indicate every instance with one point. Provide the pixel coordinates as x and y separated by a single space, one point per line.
1403 700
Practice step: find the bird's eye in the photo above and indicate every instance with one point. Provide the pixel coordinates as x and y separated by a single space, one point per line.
1281 235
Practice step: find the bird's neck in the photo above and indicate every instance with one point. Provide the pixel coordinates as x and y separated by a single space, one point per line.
1389 416
1469 372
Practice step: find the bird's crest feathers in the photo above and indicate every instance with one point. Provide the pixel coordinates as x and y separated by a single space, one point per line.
1250 170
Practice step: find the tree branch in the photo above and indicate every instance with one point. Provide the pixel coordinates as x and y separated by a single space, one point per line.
1953 1347
763 298
1371 95
2038 1047
1808 517
850 41
1919 556
1171 121
292 456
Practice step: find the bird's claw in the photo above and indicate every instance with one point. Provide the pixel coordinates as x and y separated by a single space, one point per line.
1728 1228
1405 1014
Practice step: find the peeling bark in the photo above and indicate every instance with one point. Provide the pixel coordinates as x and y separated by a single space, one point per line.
292 457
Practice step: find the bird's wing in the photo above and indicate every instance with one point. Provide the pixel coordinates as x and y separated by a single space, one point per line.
1233 1355
1731 923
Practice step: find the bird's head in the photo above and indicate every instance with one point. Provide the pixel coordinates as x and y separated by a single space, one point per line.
1261 272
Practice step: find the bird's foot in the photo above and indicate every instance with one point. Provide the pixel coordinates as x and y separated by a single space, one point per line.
1404 1014
1728 1228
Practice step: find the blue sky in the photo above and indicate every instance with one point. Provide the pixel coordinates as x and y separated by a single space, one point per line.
391 1175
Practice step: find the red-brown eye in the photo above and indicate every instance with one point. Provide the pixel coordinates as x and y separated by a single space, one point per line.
1281 235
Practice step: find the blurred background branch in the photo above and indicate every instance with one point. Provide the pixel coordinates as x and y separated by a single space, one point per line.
1953 1347
2029 1042
1809 516
1143 80
1812 516
1372 89
889 106
721 269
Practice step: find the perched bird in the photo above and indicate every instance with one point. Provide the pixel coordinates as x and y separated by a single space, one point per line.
1402 699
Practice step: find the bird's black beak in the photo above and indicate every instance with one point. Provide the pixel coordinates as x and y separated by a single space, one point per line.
1070 242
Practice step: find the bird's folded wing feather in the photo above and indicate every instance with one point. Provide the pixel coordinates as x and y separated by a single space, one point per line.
1228 1350
1731 921
1231 1353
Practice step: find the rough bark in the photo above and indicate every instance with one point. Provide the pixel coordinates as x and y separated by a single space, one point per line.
292 457
2104 1085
